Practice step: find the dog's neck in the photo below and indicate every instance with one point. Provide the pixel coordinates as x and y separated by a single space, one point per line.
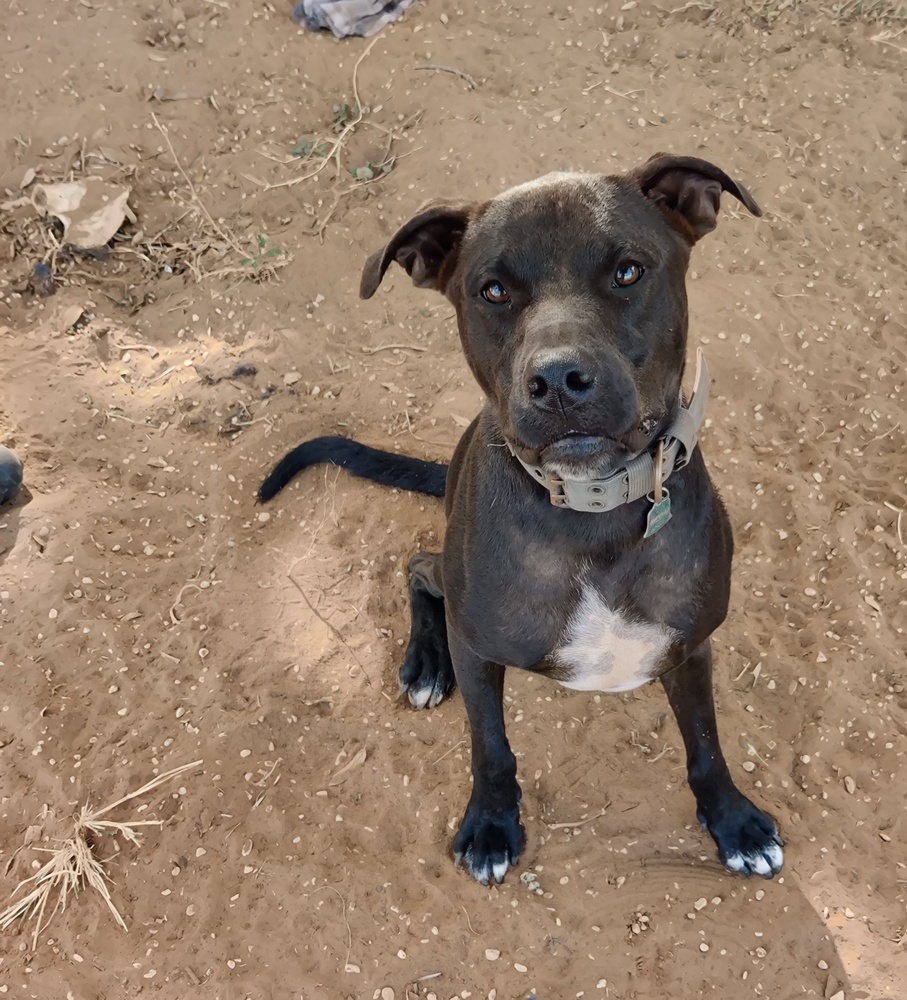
640 476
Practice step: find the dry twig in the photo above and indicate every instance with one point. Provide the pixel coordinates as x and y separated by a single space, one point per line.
225 235
337 143
437 68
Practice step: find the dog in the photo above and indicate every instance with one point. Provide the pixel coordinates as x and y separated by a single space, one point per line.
585 540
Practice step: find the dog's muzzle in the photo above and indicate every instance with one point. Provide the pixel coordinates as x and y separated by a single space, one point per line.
641 475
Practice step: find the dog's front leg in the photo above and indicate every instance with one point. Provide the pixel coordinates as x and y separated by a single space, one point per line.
747 838
491 837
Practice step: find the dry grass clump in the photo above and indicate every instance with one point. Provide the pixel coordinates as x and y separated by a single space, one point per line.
73 865
871 11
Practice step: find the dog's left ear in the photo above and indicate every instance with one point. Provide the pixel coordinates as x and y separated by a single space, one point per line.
422 246
688 191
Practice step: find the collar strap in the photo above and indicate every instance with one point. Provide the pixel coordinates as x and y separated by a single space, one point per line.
637 478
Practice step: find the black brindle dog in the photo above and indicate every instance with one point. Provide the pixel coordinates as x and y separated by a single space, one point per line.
585 540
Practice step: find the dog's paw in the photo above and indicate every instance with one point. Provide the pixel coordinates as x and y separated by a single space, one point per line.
747 838
427 677
489 842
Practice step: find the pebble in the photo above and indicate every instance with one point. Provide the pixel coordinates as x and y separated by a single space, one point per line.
700 903
291 378
387 993
823 965
264 517
760 894
703 947
850 785
401 953
748 765
519 967
492 954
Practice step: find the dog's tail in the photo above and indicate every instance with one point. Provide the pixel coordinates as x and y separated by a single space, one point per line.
401 471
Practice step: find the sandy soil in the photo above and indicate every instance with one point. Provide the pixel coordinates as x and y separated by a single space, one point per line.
150 615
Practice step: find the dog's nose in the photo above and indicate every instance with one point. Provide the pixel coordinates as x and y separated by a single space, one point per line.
558 380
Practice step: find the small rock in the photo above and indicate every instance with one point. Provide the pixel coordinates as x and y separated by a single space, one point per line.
291 378
700 903
748 765
850 785
519 967
838 996
760 894
823 965
492 954
264 517
703 947
387 993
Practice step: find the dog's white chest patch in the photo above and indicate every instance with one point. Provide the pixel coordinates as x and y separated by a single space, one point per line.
603 650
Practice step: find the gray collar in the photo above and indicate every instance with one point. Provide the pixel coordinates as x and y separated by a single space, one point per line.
638 477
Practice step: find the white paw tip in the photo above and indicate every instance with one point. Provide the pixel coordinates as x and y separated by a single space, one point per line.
419 697
765 862
500 870
760 865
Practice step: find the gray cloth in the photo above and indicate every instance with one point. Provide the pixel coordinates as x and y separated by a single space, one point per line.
349 17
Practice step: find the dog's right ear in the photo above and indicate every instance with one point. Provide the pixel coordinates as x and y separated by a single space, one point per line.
423 246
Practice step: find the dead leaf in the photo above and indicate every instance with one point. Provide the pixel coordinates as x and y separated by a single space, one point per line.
91 209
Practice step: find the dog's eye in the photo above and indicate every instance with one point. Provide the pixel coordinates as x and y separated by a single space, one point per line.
495 293
628 274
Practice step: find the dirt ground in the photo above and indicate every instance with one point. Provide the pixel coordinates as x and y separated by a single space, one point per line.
151 615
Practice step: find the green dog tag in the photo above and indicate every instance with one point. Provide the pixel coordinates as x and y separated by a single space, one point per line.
659 514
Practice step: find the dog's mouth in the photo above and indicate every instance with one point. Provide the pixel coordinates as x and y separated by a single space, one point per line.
579 447
577 455
580 455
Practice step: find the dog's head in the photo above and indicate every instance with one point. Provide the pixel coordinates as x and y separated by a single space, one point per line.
571 303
